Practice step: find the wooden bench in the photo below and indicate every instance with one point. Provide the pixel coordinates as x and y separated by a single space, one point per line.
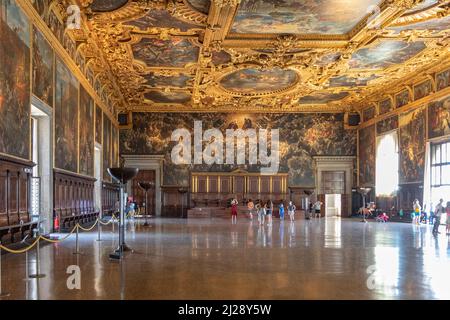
22 230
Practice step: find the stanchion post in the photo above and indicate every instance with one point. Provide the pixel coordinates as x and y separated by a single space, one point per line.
2 294
38 275
77 246
27 278
98 230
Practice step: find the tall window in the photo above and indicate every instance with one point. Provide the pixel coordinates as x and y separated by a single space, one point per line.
440 173
387 164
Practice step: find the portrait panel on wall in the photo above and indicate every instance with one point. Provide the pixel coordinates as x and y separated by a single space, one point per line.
301 137
443 80
402 98
385 106
422 90
367 141
106 147
14 81
42 68
66 119
439 118
387 125
113 145
98 124
369 113
412 146
86 133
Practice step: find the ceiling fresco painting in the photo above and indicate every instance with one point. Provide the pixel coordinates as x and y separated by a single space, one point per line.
254 80
385 54
176 52
260 56
306 17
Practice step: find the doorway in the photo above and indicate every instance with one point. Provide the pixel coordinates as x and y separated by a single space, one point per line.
138 193
42 181
333 205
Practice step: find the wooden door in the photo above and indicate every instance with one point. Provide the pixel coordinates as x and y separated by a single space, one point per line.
138 193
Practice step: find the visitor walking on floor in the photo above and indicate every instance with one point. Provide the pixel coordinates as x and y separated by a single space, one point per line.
417 210
291 210
269 212
250 207
234 204
437 216
447 222
261 212
281 210
317 209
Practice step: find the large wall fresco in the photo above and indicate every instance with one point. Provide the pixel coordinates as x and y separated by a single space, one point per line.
412 146
367 143
300 17
86 133
42 68
14 81
66 119
302 136
439 118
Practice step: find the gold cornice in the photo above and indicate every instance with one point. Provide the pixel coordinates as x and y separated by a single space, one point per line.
36 20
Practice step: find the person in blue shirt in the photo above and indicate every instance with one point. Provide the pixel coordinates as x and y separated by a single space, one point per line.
281 210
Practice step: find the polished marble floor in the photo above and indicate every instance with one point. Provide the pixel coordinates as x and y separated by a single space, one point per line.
213 259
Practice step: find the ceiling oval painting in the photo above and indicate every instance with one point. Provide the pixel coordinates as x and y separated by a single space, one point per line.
176 52
385 54
168 97
258 81
200 5
300 17
107 5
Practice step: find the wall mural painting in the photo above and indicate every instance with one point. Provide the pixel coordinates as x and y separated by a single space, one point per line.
106 147
385 106
14 81
107 5
42 68
86 133
385 54
412 146
98 124
423 89
301 137
369 113
300 17
168 97
322 97
176 52
387 125
160 19
402 98
56 26
439 118
42 7
366 145
443 80
114 146
200 5
260 81
180 81
66 119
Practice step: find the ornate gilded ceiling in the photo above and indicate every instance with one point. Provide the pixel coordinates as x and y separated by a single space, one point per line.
265 55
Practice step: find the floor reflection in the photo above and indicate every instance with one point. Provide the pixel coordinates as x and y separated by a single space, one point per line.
213 259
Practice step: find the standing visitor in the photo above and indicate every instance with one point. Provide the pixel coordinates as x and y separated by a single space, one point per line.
417 210
437 216
250 207
262 213
281 210
448 218
317 209
269 212
234 204
291 210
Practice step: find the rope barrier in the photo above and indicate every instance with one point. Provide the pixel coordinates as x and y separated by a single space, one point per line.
74 229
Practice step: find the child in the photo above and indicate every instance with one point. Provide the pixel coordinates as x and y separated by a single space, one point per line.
250 207
261 213
291 210
234 204
317 209
281 210
417 210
